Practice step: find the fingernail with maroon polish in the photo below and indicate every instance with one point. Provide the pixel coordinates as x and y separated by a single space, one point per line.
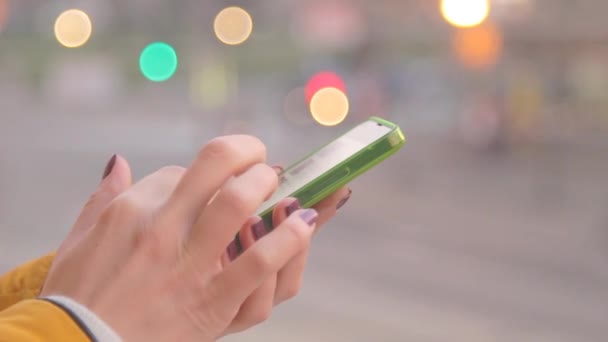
309 216
278 169
109 167
293 206
258 230
233 250
344 200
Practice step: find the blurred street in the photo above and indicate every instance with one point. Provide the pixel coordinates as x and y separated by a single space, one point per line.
437 244
491 224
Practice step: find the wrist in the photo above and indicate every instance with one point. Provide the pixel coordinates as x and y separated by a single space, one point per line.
89 322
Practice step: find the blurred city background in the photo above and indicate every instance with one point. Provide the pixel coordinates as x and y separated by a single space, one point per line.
490 225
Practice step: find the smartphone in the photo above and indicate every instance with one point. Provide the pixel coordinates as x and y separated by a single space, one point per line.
335 164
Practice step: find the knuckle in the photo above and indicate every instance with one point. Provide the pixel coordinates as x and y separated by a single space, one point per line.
106 194
172 170
152 243
123 206
292 291
267 177
255 145
298 239
127 205
261 262
92 201
243 196
237 200
231 147
260 315
220 147
260 146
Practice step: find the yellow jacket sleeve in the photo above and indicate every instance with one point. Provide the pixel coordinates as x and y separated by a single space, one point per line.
24 282
35 320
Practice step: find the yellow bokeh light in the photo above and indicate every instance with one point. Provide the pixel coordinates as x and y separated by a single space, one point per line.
73 28
465 13
212 84
329 106
233 25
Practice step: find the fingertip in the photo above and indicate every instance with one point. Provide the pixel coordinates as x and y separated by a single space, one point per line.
302 222
283 209
246 234
294 204
330 204
109 167
232 251
269 255
119 176
278 169
309 216
344 199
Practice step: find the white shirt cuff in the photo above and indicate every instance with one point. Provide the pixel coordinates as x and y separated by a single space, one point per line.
98 328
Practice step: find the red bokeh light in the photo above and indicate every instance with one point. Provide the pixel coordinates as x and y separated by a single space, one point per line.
322 80
3 12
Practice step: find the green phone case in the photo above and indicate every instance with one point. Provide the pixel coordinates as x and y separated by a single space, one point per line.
343 173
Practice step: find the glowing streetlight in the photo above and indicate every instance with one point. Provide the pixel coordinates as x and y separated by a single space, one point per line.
233 25
465 13
329 106
73 28
158 61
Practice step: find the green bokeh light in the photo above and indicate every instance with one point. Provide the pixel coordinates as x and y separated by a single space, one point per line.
158 61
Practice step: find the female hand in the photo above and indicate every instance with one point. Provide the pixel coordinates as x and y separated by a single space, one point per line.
286 283
154 265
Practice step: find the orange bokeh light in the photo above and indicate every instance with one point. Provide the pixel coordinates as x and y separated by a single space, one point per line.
478 47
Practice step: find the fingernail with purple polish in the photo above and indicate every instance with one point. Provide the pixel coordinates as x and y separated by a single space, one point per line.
344 200
109 166
258 230
309 216
293 206
233 251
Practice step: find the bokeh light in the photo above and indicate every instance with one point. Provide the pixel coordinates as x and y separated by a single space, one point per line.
322 80
329 106
479 46
233 25
158 61
3 13
465 13
212 83
73 28
330 25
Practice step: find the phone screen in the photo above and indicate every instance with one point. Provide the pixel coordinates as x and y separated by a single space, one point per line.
336 152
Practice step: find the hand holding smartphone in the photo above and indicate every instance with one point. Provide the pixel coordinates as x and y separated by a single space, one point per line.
335 164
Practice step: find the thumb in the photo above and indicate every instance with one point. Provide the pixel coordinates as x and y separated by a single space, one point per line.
116 179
